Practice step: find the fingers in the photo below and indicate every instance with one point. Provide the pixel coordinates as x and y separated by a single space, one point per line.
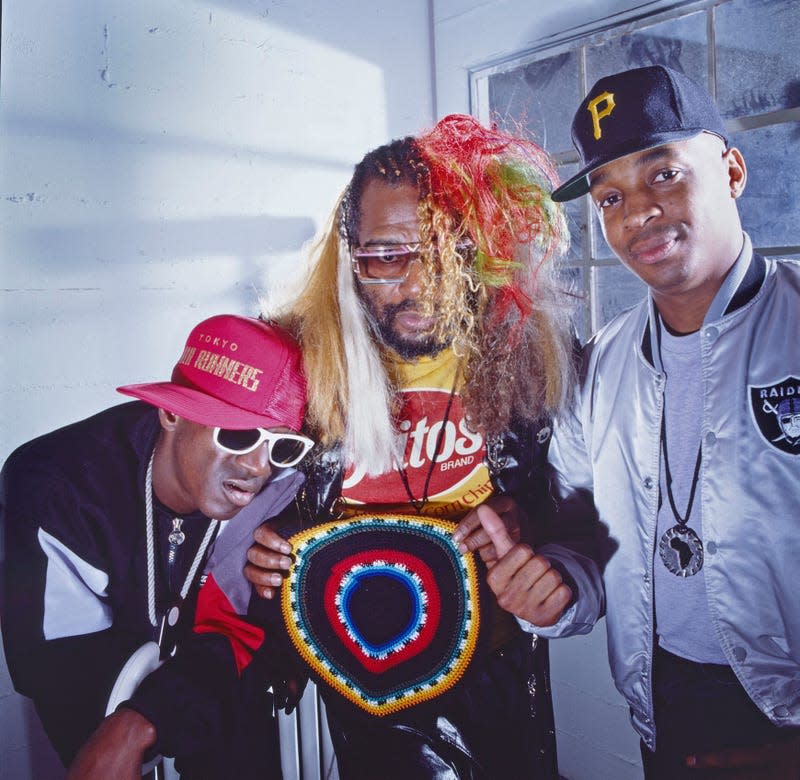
548 612
495 528
265 570
263 558
471 534
529 587
272 540
265 583
465 534
267 561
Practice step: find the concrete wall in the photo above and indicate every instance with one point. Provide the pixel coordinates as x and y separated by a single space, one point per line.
161 162
595 739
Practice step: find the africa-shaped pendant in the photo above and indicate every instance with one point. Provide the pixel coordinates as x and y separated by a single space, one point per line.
681 550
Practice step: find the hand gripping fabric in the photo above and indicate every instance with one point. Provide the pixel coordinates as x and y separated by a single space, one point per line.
384 609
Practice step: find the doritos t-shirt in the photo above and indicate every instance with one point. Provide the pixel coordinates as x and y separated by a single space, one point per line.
451 481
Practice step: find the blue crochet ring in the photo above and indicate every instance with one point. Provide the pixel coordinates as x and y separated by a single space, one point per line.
384 609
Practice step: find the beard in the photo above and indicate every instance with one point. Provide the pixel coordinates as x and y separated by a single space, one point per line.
383 325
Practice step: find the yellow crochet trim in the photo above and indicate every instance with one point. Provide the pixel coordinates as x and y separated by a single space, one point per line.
446 676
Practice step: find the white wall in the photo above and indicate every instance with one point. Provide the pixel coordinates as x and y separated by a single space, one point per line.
161 162
595 739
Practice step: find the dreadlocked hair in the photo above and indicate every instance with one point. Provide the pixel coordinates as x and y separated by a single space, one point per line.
352 396
447 281
489 238
395 164
516 329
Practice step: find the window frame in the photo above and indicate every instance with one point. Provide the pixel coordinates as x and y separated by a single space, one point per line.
581 39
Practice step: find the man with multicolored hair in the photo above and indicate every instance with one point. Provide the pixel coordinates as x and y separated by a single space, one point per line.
437 348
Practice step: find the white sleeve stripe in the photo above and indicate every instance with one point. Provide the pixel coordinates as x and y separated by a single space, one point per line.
74 594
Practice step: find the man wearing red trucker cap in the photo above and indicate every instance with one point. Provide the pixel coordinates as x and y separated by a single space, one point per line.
108 523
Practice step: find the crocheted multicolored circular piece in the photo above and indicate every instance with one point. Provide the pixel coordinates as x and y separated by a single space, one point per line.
383 609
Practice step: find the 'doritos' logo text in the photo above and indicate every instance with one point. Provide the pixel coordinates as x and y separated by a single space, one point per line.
461 452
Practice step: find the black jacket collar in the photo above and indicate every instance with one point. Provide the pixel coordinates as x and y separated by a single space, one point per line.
748 287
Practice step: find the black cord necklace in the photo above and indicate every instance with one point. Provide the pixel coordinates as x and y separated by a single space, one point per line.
680 548
419 504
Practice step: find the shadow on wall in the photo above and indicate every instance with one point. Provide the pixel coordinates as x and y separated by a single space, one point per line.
89 250
163 162
404 69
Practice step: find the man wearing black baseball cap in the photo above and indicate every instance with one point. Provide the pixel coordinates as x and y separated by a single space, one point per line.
108 523
678 433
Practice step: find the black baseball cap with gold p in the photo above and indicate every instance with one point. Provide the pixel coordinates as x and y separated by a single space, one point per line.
636 110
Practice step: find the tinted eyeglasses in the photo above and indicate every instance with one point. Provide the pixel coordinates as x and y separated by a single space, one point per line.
285 449
388 263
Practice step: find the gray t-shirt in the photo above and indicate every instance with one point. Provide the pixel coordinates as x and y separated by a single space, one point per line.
682 618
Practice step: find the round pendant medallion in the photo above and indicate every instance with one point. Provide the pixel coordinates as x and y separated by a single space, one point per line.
681 550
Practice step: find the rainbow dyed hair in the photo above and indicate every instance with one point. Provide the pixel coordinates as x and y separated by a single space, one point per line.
497 189
497 304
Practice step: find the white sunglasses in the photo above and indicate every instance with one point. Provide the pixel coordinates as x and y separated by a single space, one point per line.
285 449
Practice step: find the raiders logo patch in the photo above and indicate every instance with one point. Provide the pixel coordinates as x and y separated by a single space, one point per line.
776 411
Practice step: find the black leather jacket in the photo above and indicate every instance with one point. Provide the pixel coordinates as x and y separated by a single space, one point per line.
514 681
517 462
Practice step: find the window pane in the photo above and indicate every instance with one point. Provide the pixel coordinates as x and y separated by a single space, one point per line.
602 250
615 289
678 43
757 62
771 201
572 279
758 57
575 219
540 97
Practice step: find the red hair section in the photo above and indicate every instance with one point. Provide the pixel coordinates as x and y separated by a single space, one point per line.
497 187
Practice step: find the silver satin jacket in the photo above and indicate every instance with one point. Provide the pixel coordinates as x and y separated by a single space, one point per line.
749 488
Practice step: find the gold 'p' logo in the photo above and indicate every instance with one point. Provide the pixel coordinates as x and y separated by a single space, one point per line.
608 99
